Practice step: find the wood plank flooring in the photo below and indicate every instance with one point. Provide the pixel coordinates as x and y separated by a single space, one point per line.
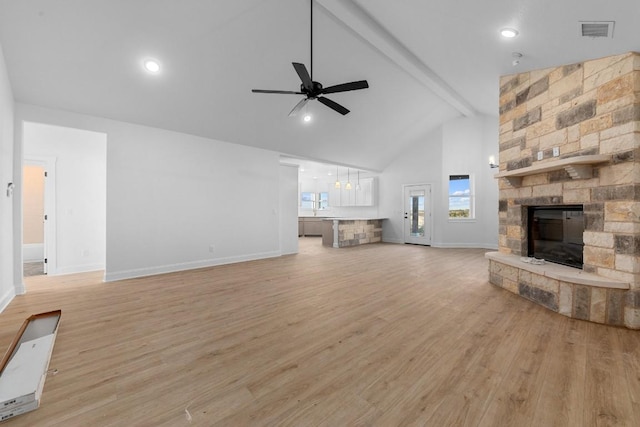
380 335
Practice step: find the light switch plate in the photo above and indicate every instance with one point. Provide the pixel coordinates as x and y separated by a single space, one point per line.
556 151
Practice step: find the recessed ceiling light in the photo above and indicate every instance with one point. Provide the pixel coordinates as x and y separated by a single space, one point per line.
151 65
307 118
508 33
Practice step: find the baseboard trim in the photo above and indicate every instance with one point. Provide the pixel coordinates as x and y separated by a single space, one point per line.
392 241
32 252
465 245
77 269
183 266
450 245
7 298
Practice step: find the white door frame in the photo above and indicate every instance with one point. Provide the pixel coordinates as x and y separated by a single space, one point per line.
49 165
428 220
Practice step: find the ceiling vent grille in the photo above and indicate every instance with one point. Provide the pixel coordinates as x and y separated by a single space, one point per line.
594 29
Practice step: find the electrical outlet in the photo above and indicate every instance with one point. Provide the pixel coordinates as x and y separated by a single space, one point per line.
540 155
556 151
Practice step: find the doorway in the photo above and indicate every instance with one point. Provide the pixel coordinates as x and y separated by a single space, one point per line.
38 201
417 214
33 214
74 195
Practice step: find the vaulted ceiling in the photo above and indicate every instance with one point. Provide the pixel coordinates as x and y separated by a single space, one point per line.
426 62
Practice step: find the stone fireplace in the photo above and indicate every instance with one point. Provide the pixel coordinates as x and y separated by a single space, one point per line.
570 137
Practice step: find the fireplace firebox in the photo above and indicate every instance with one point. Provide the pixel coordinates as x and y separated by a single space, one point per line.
555 234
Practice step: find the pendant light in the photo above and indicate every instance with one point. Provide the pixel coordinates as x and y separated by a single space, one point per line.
337 184
358 184
348 186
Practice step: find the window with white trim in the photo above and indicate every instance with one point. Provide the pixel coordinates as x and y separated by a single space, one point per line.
461 198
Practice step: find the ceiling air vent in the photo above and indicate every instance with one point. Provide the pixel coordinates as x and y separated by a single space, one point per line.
596 29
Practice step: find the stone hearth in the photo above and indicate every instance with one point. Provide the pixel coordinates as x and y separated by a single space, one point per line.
590 114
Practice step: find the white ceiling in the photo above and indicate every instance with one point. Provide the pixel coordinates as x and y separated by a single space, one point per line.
426 62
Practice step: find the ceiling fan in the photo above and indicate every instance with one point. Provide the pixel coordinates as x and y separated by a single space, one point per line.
314 90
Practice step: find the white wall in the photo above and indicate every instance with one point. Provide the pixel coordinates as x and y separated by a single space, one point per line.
460 146
421 164
79 218
467 144
7 285
288 211
177 201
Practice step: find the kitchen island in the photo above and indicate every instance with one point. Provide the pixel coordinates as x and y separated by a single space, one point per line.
344 232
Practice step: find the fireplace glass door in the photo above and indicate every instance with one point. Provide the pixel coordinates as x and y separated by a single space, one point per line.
555 234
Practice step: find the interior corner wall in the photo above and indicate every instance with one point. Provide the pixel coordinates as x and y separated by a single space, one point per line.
7 285
178 201
459 146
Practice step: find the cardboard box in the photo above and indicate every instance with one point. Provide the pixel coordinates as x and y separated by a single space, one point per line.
24 367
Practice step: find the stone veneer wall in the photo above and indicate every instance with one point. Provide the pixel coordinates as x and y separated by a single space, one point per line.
586 108
359 232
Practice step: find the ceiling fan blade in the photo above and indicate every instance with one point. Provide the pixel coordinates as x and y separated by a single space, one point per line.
333 105
304 75
361 84
286 92
299 106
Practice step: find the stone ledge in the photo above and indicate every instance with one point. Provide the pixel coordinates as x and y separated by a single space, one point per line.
578 167
559 272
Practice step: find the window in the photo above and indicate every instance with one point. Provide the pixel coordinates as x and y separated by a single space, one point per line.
315 201
307 200
323 198
460 197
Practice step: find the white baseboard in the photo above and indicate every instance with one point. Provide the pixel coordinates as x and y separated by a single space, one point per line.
32 252
7 298
465 245
451 245
76 269
183 266
392 240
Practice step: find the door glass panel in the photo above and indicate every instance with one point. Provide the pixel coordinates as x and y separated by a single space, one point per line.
416 213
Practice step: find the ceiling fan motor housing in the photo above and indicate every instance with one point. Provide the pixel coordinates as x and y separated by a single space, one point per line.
315 91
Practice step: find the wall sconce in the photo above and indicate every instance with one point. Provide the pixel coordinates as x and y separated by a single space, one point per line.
492 162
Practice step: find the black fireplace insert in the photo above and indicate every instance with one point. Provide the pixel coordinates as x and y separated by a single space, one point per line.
555 234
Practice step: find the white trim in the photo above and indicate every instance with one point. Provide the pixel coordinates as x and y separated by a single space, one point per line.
172 268
428 198
78 269
465 245
49 164
398 241
32 252
7 298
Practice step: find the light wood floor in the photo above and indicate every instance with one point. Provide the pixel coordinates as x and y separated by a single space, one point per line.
374 335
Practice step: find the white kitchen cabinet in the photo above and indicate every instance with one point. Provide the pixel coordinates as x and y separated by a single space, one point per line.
363 197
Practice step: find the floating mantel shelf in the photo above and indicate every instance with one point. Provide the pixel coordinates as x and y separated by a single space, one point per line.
579 167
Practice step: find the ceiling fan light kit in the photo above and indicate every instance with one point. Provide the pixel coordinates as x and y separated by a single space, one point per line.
314 90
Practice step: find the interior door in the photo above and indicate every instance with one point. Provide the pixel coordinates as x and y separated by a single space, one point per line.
417 214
